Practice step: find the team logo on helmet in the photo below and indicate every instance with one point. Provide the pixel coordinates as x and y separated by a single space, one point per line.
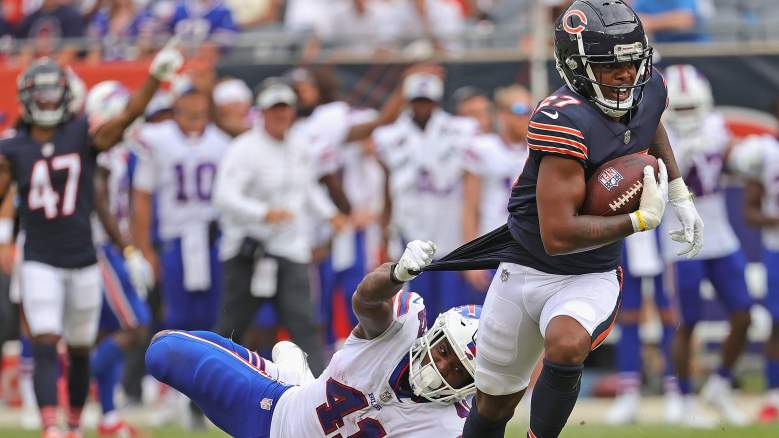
610 178
568 21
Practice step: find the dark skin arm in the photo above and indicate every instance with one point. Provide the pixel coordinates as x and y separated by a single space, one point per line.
372 302
753 207
6 177
111 132
336 191
103 208
661 149
563 231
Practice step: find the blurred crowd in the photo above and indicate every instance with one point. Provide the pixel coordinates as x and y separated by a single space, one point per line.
131 29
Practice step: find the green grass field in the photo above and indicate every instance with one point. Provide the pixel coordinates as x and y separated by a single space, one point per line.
572 431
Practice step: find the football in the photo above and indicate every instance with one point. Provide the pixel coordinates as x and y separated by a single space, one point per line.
615 187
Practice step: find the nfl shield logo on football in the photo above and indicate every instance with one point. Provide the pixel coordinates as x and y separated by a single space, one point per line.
266 404
610 178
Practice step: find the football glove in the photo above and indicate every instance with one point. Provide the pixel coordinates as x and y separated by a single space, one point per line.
692 224
140 271
418 254
167 62
653 198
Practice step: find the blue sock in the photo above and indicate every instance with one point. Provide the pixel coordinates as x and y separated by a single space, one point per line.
26 352
106 367
772 373
629 349
685 386
666 345
725 373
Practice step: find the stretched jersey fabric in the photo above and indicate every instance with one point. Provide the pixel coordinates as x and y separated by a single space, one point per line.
565 125
364 391
56 191
701 160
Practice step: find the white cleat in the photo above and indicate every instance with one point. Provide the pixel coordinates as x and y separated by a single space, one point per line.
673 409
718 393
624 410
292 362
693 415
30 418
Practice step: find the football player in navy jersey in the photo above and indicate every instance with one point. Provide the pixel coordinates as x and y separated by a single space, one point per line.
557 288
51 158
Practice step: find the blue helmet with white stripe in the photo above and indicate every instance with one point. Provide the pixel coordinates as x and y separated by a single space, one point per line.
457 325
598 32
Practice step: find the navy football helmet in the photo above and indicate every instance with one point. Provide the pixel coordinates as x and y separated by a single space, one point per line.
602 32
44 93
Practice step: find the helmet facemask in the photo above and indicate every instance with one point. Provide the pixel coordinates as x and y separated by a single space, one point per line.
45 97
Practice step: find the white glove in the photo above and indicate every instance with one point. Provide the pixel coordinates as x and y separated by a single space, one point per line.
692 224
140 271
167 62
653 198
418 254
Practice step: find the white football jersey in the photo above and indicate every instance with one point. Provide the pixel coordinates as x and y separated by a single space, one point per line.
498 164
770 180
116 161
700 159
359 393
325 130
180 171
426 172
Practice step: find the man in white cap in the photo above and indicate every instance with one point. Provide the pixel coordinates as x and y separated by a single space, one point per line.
232 106
266 187
423 153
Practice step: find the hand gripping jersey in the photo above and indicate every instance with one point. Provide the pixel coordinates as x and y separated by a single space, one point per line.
700 157
426 170
364 392
497 164
567 125
181 172
56 192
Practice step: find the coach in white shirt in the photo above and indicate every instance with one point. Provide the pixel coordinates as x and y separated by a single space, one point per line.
266 190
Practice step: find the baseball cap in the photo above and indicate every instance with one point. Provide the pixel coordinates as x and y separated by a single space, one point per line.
467 92
232 91
423 86
274 91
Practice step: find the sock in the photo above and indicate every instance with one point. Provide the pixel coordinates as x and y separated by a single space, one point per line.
666 345
725 373
26 365
554 397
685 386
628 359
45 382
106 366
772 373
670 384
78 387
477 426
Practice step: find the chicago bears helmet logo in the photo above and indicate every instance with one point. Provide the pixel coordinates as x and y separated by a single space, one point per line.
610 178
568 21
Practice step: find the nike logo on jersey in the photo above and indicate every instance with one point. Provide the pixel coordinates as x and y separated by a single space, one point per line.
554 115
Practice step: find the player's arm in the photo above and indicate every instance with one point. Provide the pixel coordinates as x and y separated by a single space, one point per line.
7 213
163 67
753 207
103 208
372 301
678 196
6 176
560 193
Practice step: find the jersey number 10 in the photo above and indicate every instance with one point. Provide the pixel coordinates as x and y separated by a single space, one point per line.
42 194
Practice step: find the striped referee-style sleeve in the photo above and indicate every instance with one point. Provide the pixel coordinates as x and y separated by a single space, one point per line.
548 137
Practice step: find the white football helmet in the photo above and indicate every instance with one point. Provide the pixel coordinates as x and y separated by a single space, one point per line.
689 99
105 101
458 325
78 91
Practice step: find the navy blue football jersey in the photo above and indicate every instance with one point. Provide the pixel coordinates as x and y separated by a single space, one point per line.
568 125
55 187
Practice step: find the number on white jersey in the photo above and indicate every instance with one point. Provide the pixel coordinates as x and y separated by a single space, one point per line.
42 194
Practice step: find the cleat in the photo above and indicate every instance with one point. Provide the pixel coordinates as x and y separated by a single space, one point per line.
693 416
673 409
120 429
718 393
624 409
52 432
292 362
768 414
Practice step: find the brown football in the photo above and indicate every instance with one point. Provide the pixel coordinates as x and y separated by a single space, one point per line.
615 187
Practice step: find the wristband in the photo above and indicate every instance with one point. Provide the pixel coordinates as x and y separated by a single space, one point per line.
393 278
637 218
6 231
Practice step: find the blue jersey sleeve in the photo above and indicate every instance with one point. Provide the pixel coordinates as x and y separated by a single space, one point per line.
552 132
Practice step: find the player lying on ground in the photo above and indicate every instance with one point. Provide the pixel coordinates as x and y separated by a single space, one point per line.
392 378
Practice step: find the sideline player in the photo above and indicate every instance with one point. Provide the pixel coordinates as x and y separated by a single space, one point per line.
758 159
52 160
557 289
702 145
392 378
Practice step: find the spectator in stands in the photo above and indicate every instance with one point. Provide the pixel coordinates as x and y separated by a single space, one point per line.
115 27
473 102
199 20
249 14
671 21
48 25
